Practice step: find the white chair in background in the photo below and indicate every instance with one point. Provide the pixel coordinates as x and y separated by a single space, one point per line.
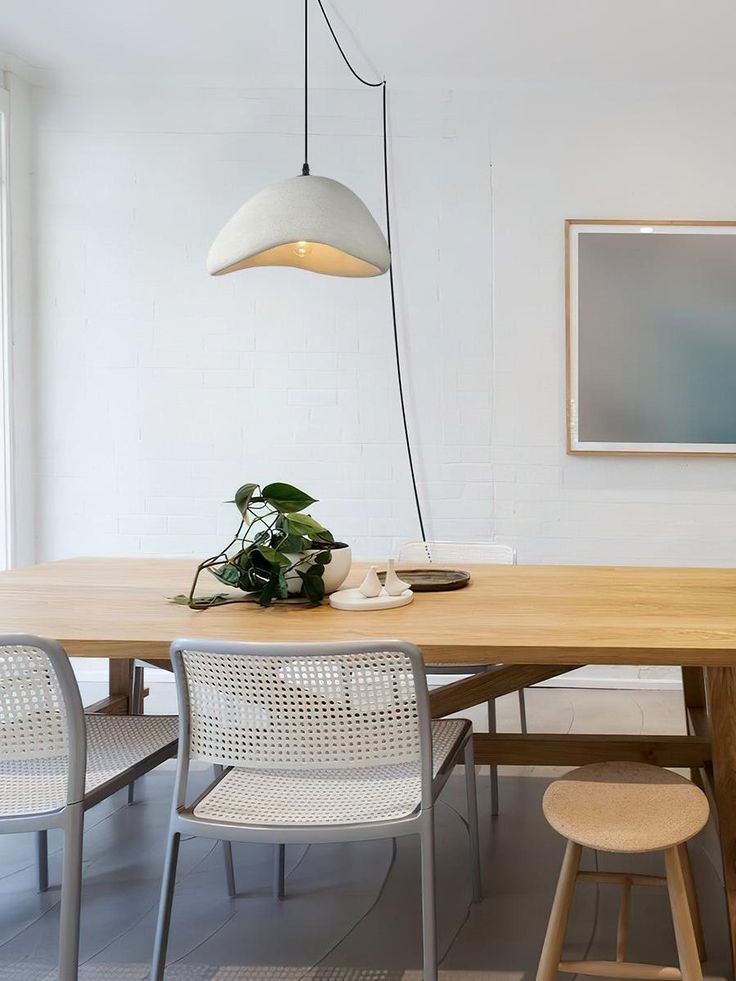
318 743
55 762
479 553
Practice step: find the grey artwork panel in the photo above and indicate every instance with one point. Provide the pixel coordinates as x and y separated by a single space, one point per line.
657 338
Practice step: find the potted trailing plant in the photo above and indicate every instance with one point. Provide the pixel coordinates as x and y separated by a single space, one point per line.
278 551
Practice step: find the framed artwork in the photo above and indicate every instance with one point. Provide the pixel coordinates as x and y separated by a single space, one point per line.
651 336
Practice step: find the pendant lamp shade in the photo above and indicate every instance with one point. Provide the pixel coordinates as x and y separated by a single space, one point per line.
307 222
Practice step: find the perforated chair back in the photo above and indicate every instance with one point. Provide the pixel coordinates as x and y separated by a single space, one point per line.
42 730
426 553
303 706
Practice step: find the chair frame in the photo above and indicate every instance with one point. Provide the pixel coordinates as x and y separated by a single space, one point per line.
420 822
70 816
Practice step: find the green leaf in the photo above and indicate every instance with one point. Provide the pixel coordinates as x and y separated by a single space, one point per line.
302 524
269 591
259 562
286 498
324 536
277 559
201 601
227 573
243 497
323 559
243 559
313 585
294 544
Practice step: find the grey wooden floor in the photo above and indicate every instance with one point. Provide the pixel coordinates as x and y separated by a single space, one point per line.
352 911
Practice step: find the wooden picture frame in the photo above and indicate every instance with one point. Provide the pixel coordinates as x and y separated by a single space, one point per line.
580 442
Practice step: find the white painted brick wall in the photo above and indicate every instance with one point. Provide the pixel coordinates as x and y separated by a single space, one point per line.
160 389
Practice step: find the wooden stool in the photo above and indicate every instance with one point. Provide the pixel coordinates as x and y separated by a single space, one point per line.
626 807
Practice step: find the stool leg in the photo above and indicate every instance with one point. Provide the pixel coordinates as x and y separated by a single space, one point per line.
624 914
553 941
687 948
692 900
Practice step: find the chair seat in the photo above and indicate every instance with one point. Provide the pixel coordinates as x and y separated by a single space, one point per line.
625 807
329 796
116 744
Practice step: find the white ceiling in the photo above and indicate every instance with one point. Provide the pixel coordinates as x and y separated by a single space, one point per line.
462 41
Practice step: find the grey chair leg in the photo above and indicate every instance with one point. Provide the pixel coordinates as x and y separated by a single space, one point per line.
136 695
71 895
472 799
136 708
429 915
161 942
494 769
279 864
522 711
227 851
42 860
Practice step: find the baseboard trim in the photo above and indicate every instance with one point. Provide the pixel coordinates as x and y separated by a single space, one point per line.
581 682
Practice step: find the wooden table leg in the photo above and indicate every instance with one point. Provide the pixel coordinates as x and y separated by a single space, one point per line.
721 683
693 689
119 701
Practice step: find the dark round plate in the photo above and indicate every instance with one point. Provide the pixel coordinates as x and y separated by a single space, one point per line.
431 580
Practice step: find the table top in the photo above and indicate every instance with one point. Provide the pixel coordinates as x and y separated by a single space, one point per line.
523 614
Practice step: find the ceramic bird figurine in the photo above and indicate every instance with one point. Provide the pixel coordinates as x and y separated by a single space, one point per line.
393 585
371 585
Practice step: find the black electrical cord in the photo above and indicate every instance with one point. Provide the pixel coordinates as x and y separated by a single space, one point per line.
372 85
305 165
397 349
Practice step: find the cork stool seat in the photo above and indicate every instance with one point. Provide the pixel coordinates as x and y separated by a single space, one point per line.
628 808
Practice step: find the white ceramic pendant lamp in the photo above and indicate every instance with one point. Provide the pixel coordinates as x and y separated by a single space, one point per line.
308 222
318 224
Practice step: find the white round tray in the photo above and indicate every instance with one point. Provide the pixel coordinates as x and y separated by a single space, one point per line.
353 599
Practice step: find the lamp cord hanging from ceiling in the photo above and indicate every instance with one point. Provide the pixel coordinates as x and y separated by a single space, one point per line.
305 165
305 170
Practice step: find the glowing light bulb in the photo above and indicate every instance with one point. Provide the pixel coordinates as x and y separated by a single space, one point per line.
302 249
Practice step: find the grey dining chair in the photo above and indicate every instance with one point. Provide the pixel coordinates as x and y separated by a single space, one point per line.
482 553
42 837
316 743
55 762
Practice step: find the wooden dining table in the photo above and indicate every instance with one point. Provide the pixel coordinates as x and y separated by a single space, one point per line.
525 624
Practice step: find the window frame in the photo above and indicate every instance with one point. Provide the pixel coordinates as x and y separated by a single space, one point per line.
6 461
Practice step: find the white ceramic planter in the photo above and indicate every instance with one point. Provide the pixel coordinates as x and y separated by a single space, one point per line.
335 574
